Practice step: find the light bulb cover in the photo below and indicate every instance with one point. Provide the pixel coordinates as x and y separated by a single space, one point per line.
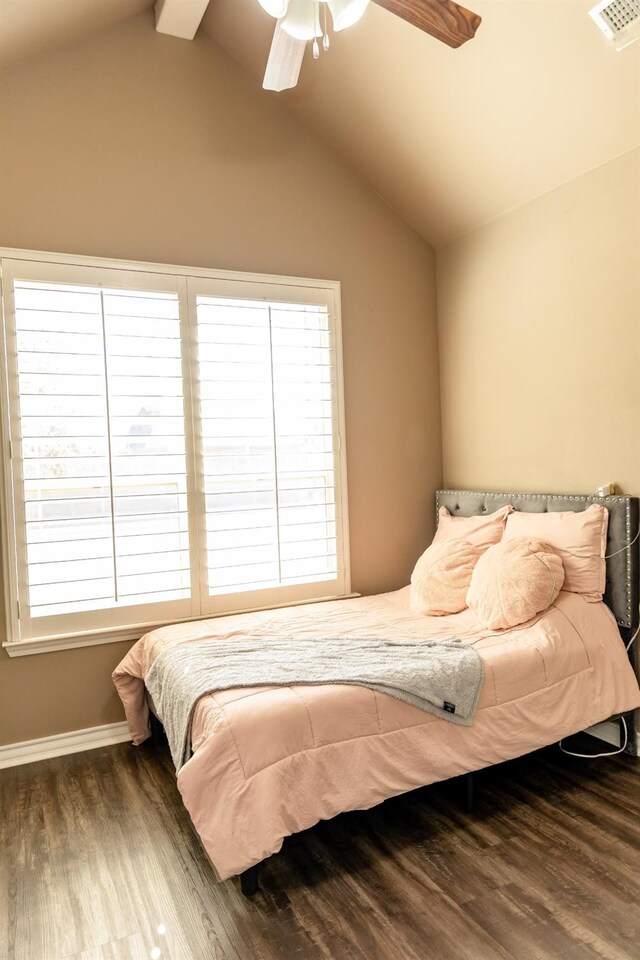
301 21
346 12
275 8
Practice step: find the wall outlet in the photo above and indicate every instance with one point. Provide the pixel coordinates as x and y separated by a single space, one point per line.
606 490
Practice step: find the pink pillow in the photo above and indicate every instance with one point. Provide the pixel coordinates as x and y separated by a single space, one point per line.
580 539
481 531
513 581
441 578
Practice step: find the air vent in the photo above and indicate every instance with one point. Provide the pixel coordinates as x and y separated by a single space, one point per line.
619 20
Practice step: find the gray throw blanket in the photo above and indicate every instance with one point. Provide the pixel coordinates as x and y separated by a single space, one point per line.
443 677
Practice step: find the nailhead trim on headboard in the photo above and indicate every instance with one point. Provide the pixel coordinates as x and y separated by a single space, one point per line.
630 613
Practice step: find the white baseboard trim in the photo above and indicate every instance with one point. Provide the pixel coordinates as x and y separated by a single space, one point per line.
30 751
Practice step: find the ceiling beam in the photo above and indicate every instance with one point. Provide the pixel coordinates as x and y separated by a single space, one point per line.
180 18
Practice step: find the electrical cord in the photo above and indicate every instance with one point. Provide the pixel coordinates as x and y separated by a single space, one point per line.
596 756
597 556
622 549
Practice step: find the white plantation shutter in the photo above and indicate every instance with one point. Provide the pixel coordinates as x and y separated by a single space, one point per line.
148 451
98 449
266 391
65 449
175 446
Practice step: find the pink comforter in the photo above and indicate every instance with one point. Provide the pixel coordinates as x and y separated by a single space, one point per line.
270 761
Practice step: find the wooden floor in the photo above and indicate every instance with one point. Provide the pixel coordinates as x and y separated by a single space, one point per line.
98 860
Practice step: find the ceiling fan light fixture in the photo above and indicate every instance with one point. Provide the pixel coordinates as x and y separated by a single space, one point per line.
302 20
275 8
346 12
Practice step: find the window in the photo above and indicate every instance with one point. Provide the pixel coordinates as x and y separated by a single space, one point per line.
174 446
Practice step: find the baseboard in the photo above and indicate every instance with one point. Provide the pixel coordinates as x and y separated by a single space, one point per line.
30 751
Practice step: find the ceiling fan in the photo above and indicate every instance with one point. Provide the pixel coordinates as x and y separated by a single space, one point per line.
302 20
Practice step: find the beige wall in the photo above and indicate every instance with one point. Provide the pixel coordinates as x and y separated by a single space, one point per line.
539 316
134 145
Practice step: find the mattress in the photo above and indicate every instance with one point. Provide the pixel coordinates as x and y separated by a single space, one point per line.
270 761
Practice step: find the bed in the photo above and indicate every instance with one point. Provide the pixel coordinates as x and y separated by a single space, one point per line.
271 761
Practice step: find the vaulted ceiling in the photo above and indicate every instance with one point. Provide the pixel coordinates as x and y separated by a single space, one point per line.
452 138
29 28
449 138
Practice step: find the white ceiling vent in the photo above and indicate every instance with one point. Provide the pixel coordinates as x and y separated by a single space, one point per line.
619 20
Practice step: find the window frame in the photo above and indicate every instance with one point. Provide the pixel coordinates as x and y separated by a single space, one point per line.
187 282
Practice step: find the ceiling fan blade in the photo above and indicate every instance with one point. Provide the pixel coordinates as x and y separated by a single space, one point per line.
285 61
443 19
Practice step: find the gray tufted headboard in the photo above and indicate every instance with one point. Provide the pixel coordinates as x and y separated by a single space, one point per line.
623 570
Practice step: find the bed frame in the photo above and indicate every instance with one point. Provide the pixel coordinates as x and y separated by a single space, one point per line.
622 590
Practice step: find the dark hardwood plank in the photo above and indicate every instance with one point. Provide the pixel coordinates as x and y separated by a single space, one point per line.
100 862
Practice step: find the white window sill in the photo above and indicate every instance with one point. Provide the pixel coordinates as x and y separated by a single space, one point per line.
25 648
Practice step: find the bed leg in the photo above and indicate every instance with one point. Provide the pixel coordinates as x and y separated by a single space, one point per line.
470 792
249 881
